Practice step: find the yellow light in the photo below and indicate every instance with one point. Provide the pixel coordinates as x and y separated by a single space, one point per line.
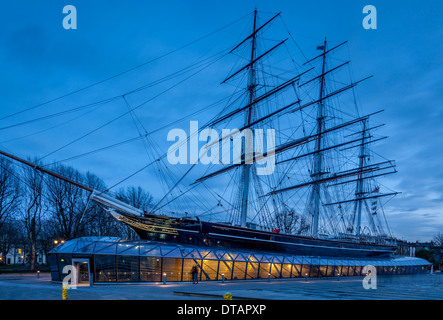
55 241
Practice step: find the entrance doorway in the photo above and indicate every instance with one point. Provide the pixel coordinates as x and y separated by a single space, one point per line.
81 271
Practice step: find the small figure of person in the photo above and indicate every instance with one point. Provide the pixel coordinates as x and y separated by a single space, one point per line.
194 272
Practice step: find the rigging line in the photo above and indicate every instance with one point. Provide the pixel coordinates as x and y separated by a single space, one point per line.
287 30
131 175
53 127
107 100
101 102
122 115
126 71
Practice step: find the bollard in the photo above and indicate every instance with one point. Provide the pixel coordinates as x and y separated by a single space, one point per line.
223 278
269 277
164 278
338 277
64 292
38 274
306 277
227 296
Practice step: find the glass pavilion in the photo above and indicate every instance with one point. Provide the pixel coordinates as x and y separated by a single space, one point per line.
118 260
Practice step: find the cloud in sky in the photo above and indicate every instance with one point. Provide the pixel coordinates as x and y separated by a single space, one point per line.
40 61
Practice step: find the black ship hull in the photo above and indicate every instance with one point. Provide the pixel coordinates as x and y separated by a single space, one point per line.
214 235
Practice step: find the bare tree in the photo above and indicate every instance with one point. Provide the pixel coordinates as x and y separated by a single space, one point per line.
291 223
136 197
99 221
32 208
9 237
438 240
9 190
67 203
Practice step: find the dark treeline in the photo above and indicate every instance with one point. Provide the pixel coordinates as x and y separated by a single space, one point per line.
36 209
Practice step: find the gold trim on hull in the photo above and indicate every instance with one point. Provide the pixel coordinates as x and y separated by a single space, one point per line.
149 228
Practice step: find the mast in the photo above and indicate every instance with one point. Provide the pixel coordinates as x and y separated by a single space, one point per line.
359 192
251 88
318 155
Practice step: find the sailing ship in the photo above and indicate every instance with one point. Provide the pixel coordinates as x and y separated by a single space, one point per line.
324 197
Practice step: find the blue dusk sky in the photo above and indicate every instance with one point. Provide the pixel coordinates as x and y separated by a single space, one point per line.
41 61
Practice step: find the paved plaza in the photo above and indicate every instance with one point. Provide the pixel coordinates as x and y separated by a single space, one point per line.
407 287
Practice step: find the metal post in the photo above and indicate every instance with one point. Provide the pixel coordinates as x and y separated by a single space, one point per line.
164 278
269 277
38 274
223 278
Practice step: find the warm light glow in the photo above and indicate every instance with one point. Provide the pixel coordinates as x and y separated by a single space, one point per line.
55 241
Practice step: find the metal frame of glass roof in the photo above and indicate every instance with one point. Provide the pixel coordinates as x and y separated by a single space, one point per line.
118 246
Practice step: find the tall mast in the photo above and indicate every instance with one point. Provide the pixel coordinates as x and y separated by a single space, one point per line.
318 155
359 193
251 89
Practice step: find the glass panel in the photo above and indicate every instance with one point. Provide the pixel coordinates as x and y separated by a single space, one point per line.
150 251
351 271
150 269
85 246
252 270
105 248
330 271
275 270
104 268
305 270
225 267
187 267
252 258
190 253
314 271
385 270
226 256
286 270
62 261
380 270
210 256
296 268
209 270
240 257
53 265
258 257
323 271
337 271
239 270
358 270
67 246
176 253
172 267
128 249
288 260
166 249
265 268
128 268
298 260
344 271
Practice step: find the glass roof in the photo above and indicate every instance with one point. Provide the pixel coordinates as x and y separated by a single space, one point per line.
112 246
